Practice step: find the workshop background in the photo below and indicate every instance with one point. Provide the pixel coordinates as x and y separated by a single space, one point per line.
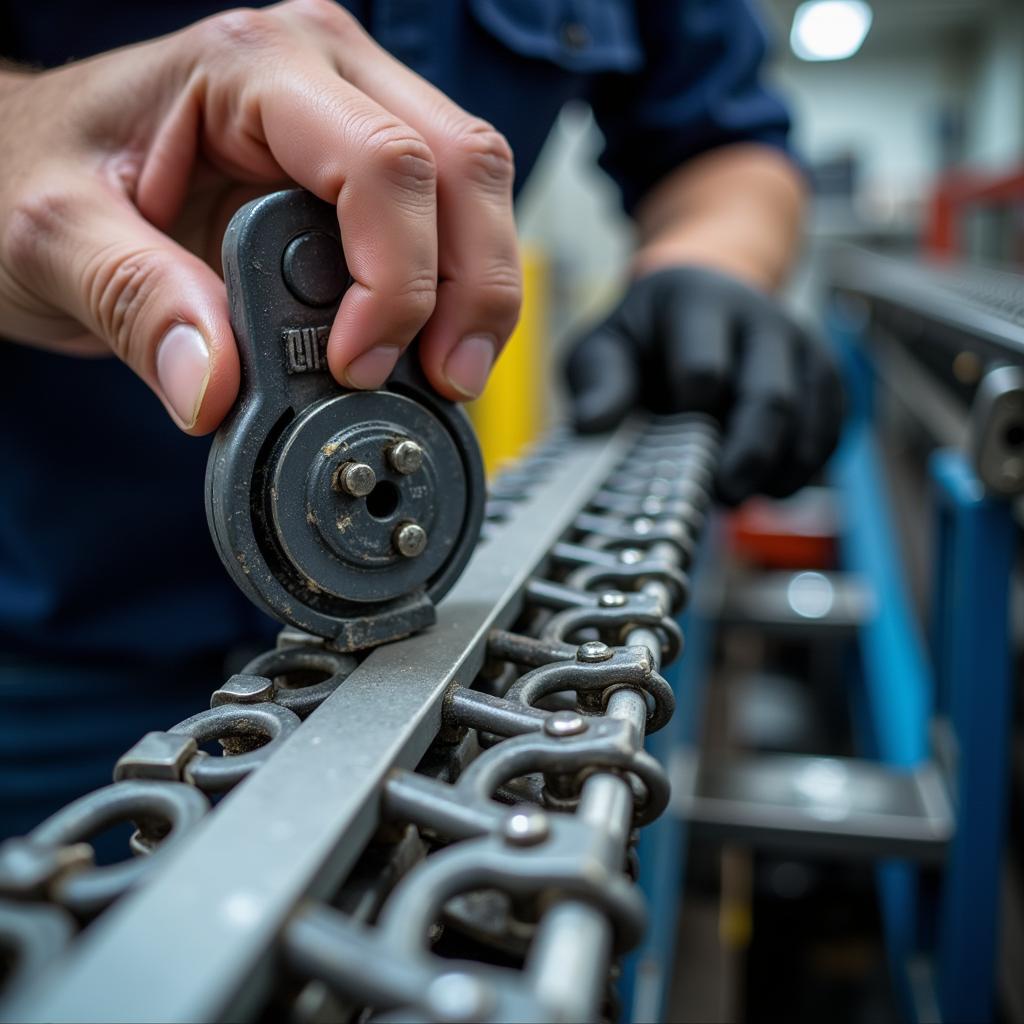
914 142
844 839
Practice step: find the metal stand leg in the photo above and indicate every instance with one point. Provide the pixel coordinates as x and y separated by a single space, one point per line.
976 539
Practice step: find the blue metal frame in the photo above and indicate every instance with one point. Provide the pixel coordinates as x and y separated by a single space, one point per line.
976 539
897 696
900 692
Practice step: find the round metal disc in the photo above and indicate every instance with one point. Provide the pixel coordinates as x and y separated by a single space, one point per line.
343 544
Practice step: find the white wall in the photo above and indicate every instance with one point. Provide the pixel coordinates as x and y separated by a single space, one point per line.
884 109
571 211
996 135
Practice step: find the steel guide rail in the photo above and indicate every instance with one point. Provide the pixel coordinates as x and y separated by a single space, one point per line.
472 780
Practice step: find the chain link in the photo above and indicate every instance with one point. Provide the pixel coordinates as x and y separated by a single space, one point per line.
511 840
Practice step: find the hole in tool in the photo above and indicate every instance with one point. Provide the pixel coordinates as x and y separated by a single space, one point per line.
1014 435
382 502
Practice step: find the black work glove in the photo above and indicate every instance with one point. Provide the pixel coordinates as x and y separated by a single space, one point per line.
688 339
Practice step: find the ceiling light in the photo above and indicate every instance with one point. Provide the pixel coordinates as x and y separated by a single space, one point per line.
829 29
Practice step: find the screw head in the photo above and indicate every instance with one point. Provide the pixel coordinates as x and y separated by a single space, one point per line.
593 651
611 599
356 479
405 456
565 723
526 827
410 539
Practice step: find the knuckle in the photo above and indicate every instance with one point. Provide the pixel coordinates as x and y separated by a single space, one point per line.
483 154
242 28
403 157
502 297
118 289
327 15
417 299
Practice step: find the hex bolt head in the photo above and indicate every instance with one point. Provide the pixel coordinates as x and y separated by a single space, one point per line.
611 599
593 651
526 827
565 723
410 539
356 479
405 456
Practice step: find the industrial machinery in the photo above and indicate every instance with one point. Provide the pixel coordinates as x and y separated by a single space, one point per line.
454 811
437 828
344 513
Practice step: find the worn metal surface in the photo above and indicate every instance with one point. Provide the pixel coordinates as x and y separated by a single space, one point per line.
535 688
295 827
347 514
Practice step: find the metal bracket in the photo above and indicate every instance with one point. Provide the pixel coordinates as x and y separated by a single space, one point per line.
347 514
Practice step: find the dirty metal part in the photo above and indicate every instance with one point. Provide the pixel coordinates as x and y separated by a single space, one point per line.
405 456
996 430
307 482
410 539
402 746
356 479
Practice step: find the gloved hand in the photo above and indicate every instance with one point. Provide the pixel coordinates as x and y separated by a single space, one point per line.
689 339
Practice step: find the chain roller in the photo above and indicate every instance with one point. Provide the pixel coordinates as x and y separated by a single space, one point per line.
514 831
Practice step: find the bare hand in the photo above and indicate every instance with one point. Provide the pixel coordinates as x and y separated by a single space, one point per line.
118 175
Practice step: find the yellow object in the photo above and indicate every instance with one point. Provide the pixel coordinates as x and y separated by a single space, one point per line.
512 413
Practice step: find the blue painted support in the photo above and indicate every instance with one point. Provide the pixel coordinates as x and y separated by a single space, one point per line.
976 541
647 971
896 679
895 696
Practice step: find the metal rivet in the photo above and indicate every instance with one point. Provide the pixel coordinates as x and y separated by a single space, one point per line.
525 828
593 651
643 526
611 599
355 478
565 723
314 268
630 556
410 539
405 457
458 997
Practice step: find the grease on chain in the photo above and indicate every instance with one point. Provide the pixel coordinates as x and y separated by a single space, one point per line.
514 832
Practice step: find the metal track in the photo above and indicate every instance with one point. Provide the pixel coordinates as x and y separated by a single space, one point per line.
584 545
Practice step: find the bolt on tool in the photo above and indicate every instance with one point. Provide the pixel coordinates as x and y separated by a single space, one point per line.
347 514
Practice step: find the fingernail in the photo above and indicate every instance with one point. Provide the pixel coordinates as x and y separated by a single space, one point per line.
372 369
469 364
183 371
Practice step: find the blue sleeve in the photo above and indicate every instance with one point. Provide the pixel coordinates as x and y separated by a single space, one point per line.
700 87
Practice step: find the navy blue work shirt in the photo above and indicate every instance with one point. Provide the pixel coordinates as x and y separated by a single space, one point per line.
104 550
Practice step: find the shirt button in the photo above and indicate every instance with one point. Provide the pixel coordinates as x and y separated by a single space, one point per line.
575 36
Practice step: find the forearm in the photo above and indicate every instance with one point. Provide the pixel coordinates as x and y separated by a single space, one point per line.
738 209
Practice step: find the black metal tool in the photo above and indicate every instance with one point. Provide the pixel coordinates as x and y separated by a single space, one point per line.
347 514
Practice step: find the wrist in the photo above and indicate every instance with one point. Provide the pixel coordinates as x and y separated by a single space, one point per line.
733 261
